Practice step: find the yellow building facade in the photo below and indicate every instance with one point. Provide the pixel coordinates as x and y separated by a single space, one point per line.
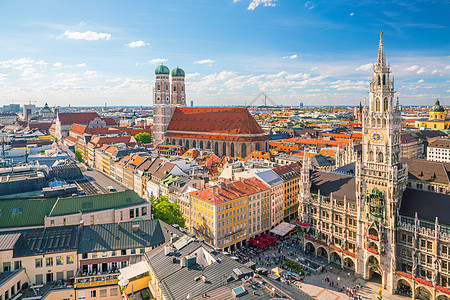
437 120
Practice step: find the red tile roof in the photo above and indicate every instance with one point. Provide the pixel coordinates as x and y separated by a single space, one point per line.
231 190
109 121
212 122
98 141
80 118
259 155
41 126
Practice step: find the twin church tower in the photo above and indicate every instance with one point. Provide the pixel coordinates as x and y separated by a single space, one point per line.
167 96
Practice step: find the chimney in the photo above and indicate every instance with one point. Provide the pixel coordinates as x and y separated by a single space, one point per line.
135 228
119 226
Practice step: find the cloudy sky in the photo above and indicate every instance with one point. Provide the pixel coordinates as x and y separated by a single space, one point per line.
315 52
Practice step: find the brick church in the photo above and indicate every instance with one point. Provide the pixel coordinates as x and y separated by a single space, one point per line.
230 131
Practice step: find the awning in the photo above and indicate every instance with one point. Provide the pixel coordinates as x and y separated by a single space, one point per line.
283 229
134 270
263 241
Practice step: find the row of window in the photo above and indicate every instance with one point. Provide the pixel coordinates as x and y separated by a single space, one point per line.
59 259
113 253
102 293
14 288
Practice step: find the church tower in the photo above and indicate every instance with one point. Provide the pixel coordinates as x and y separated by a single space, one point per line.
380 176
178 87
162 107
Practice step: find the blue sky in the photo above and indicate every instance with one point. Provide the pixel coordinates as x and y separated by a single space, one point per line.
315 52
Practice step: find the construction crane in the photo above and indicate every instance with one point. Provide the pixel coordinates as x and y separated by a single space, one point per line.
264 98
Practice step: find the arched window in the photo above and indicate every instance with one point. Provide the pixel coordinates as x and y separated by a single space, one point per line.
232 150
384 79
187 144
385 104
224 149
244 150
208 146
174 88
194 144
201 144
216 148
167 142
379 80
257 147
173 142
159 87
180 142
377 105
371 158
380 157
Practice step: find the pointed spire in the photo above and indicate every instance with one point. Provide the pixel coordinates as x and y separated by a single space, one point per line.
381 61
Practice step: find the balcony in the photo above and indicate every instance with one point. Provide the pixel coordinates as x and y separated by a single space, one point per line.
96 280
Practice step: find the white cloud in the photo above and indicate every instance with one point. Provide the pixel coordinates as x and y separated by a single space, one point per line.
297 76
314 68
294 56
365 67
30 73
421 70
88 35
351 14
447 67
137 44
420 81
82 65
157 61
434 72
204 61
192 75
255 3
412 68
309 5
58 65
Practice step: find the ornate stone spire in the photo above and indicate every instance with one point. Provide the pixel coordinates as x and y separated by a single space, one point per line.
381 61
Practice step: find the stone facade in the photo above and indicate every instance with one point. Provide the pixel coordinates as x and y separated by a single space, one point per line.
356 221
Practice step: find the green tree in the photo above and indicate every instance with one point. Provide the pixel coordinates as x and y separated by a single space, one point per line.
143 137
164 210
79 156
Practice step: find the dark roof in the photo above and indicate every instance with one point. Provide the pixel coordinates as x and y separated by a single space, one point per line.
339 185
47 240
426 170
320 161
428 205
178 282
107 237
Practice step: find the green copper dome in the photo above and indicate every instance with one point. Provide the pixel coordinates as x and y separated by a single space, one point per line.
178 72
162 69
46 109
437 106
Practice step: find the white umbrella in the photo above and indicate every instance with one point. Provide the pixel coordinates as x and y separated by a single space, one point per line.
120 277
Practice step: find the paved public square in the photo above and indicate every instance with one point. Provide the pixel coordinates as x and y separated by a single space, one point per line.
315 285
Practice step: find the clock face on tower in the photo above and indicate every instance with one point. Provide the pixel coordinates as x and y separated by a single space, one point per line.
377 137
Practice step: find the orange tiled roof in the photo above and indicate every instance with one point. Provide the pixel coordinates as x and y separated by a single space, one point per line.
259 155
231 190
213 121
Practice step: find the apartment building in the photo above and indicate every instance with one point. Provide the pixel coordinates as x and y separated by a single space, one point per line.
439 150
219 213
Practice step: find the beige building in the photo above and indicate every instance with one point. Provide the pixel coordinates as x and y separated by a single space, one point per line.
371 222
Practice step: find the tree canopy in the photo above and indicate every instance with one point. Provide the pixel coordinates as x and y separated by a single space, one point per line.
79 156
143 137
164 210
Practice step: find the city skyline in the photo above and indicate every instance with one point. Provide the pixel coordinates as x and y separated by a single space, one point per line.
310 52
